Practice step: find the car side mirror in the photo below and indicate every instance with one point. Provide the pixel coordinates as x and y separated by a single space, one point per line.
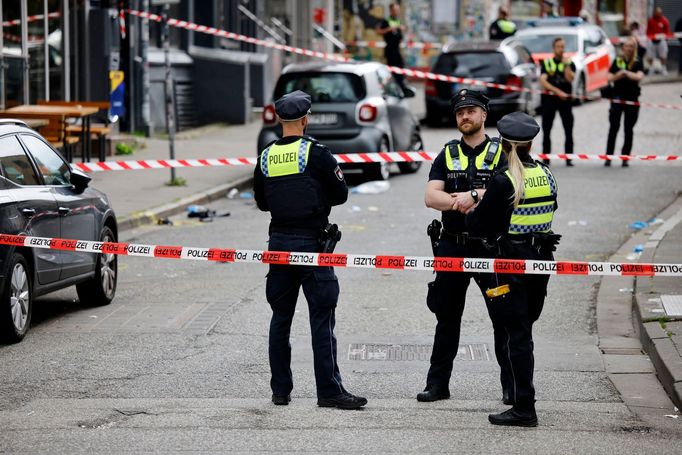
79 179
409 92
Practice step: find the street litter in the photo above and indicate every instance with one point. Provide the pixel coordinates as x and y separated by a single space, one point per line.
371 208
626 290
355 208
246 195
164 221
579 222
373 187
199 211
671 416
638 225
232 193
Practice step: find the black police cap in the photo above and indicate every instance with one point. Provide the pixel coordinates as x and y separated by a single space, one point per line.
518 127
293 106
468 98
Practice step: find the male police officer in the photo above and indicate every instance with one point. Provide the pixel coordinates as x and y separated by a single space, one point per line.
502 27
457 180
298 181
392 30
557 76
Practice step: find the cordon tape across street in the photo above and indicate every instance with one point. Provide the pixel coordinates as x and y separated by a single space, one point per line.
404 71
343 158
440 264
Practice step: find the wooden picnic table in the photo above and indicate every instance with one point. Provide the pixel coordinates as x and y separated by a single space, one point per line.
77 112
36 123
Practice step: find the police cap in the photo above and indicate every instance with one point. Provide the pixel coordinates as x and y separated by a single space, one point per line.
468 98
293 106
518 127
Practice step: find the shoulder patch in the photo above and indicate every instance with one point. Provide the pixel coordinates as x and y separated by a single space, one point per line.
339 173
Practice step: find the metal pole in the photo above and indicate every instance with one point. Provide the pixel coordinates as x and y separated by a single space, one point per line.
86 51
170 109
66 52
46 51
146 84
2 62
24 48
131 76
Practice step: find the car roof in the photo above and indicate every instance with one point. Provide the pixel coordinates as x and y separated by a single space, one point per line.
485 46
8 125
359 68
566 30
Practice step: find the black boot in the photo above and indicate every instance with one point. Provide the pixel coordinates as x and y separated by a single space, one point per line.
514 418
607 163
433 393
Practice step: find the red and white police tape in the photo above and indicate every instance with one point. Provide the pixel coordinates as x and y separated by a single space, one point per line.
343 158
442 264
404 71
34 18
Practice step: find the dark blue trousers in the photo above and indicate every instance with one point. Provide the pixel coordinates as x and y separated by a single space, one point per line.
321 290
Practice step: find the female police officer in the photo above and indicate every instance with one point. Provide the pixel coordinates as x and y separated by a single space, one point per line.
516 216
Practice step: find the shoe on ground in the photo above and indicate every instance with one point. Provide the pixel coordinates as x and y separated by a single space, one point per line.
514 418
432 393
569 163
626 163
281 400
343 401
607 163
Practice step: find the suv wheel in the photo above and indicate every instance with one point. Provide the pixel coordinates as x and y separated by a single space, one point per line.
410 167
101 288
379 171
17 300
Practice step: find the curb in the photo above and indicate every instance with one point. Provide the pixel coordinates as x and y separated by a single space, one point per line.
648 309
151 216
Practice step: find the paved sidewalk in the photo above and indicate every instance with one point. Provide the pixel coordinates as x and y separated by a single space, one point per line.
139 196
658 302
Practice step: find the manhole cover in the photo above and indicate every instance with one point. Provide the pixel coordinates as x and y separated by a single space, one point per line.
672 304
407 352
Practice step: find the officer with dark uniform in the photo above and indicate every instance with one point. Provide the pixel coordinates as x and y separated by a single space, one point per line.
515 217
502 28
392 30
297 180
457 181
557 74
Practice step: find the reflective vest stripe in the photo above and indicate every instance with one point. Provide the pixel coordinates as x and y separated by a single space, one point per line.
622 64
535 212
280 160
551 67
462 161
393 22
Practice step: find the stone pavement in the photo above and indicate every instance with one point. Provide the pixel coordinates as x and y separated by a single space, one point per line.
139 196
658 302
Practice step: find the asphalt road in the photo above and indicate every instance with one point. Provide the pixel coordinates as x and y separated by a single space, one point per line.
179 361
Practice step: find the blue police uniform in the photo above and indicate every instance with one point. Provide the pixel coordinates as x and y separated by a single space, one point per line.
462 168
514 302
298 180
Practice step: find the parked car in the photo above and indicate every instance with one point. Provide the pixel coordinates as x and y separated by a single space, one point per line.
42 196
587 45
356 108
489 62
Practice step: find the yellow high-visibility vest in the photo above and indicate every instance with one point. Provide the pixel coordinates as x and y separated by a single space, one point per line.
535 211
280 160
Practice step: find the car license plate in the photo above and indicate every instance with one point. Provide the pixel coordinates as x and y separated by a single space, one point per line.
323 119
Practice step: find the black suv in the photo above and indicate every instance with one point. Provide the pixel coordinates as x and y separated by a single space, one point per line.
42 196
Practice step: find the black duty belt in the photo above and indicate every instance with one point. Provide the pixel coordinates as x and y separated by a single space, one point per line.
460 238
306 231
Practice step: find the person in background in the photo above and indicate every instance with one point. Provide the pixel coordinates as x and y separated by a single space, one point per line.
640 39
392 30
625 74
557 76
658 46
502 27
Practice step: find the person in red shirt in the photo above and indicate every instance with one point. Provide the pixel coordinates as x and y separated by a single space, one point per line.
658 47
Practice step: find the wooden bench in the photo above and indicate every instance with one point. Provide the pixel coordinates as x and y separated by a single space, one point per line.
98 131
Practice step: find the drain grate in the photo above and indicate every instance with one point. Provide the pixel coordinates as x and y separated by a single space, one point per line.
672 304
413 352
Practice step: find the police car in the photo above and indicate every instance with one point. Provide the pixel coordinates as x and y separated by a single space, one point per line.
586 44
356 108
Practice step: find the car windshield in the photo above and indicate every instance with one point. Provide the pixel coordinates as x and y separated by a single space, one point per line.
323 87
479 64
537 44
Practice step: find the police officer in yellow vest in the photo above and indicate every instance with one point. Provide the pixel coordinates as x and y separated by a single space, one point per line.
516 217
392 30
297 180
457 180
502 27
557 74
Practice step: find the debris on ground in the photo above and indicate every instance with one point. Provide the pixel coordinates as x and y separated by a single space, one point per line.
373 187
164 221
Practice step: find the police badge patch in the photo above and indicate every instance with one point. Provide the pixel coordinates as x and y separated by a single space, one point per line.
339 173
